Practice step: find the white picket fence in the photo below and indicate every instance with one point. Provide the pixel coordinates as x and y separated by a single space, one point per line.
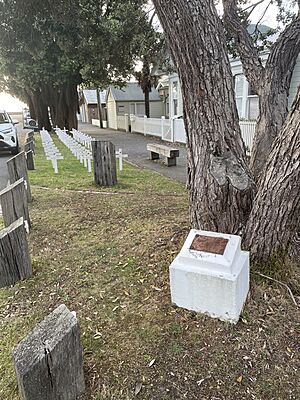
173 130
248 132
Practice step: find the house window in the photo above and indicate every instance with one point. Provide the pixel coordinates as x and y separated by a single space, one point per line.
239 82
252 104
121 110
140 110
253 107
132 108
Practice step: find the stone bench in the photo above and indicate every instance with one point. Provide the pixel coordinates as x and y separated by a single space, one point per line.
169 153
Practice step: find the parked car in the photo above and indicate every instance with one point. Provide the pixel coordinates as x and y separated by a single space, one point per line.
8 133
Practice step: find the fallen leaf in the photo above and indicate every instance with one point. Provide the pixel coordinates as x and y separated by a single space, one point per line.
138 388
239 379
152 362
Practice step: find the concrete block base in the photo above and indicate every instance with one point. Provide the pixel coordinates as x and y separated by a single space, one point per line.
199 283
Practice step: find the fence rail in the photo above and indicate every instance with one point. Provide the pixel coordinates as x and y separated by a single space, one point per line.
173 130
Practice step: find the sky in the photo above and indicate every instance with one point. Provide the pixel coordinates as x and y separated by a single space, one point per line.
10 103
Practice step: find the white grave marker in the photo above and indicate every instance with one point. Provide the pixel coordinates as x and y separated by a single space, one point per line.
120 156
211 275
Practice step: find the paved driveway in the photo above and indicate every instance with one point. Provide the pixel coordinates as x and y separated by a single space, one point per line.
135 145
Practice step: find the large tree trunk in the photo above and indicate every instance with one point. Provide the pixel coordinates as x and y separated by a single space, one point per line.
271 82
42 111
273 228
220 185
32 110
67 108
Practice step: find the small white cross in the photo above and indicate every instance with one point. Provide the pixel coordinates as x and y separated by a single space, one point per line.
120 156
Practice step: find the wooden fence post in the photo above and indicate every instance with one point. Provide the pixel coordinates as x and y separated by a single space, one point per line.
17 169
29 146
105 165
30 160
48 362
15 264
14 203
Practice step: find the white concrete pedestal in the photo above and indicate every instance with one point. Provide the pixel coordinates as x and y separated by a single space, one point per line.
211 283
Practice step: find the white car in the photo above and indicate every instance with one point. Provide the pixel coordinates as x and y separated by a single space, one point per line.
8 133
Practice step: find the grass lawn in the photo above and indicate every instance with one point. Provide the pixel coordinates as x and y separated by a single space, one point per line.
105 254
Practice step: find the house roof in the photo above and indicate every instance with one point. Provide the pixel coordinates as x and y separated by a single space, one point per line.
132 92
90 96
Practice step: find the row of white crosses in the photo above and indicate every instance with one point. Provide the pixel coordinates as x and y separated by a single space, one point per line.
86 140
51 151
83 138
82 154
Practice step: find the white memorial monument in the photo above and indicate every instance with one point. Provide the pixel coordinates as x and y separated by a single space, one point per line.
211 275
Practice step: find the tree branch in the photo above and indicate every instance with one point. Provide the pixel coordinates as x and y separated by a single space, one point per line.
284 52
249 54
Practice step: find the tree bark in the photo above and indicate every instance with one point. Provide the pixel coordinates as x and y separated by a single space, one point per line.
221 188
273 228
271 82
42 111
67 107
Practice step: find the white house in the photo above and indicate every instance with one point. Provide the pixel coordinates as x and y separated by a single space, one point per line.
130 100
246 99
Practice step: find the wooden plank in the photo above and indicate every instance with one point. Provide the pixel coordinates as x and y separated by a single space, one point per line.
163 150
14 203
30 160
17 169
49 361
15 264
105 165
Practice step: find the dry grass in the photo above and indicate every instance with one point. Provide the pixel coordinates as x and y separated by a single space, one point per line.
107 256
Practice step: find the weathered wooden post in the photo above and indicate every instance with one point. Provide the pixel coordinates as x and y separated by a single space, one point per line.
29 146
15 262
105 165
30 160
14 204
48 362
17 169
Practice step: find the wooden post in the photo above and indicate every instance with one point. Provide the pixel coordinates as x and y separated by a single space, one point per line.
14 204
30 134
49 362
17 169
30 160
105 166
15 262
29 146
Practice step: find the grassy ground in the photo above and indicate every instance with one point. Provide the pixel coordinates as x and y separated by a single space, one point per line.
105 254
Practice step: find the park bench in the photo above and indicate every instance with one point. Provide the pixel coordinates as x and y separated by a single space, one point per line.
169 153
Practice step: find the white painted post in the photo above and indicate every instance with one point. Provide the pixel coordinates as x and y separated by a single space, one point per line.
172 128
162 126
126 116
145 125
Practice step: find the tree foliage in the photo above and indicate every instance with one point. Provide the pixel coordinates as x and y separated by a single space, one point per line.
47 48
